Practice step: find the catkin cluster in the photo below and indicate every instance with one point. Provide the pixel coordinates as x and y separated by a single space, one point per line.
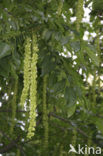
79 14
27 64
33 88
45 114
30 81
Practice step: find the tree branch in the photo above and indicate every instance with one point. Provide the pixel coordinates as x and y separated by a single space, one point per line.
69 122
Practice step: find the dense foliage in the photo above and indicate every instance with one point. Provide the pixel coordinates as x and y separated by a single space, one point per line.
51 77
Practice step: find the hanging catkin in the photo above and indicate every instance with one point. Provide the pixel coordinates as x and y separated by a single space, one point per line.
93 90
60 6
79 14
89 143
61 150
33 88
74 141
27 60
18 152
97 42
45 115
14 105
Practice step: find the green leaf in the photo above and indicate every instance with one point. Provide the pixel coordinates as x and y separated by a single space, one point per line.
71 110
65 40
4 67
48 65
47 34
99 124
92 54
59 86
70 96
5 49
75 45
16 59
98 5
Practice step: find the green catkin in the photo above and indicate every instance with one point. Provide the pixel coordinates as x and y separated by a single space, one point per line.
14 105
60 7
97 42
18 152
79 14
45 115
9 94
27 62
89 144
61 150
33 88
93 91
74 138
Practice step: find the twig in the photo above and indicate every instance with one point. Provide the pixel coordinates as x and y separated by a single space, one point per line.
67 121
